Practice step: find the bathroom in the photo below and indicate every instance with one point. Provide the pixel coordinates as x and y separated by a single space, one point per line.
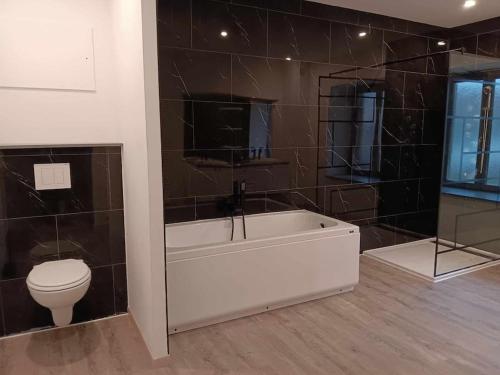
249 186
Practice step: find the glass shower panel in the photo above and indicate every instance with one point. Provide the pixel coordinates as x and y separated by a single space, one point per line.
469 210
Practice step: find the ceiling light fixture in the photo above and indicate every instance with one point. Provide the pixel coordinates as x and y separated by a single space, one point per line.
362 34
288 58
469 3
441 43
224 34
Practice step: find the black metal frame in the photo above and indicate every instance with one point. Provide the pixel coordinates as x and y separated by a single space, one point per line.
479 181
341 75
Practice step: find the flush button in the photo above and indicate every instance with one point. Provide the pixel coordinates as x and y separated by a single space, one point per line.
52 176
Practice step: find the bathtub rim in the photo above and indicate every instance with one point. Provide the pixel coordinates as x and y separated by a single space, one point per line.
179 253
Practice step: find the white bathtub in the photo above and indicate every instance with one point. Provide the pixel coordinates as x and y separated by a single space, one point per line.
287 258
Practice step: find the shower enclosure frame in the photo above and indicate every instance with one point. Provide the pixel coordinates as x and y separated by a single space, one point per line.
483 154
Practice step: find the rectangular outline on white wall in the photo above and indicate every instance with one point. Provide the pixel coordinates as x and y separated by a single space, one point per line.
41 54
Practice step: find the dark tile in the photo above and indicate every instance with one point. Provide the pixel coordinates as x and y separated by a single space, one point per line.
363 159
421 223
298 37
211 207
114 149
307 199
222 126
431 158
98 302
97 238
389 162
376 233
356 45
404 236
337 92
353 202
120 287
293 126
186 73
255 203
85 150
291 6
489 44
17 183
346 15
266 79
402 126
89 180
281 160
25 151
306 167
278 171
481 26
197 173
422 28
399 46
438 64
245 27
428 194
410 163
174 23
425 91
398 197
434 124
179 210
394 89
177 125
115 181
371 89
382 22
25 243
336 83
21 312
469 43
335 166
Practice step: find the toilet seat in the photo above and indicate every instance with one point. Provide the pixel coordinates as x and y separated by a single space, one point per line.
58 275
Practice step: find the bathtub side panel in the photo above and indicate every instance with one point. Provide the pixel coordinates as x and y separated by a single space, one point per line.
207 288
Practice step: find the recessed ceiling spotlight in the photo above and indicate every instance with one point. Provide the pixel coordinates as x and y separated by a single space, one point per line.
288 58
441 43
469 3
224 34
362 34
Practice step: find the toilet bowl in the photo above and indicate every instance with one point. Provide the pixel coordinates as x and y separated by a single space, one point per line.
58 285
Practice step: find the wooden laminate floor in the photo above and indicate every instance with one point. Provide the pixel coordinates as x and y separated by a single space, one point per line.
391 324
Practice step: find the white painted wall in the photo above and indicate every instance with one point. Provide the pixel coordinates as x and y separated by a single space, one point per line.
139 117
123 109
52 116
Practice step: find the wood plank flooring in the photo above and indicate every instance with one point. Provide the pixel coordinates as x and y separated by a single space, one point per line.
391 324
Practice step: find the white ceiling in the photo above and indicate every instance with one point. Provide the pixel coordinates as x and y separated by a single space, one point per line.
445 13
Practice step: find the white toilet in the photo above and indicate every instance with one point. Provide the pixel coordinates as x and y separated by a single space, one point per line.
58 285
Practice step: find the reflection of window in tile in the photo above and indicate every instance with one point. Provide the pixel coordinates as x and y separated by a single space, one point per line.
354 127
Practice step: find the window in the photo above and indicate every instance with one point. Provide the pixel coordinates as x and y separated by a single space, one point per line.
473 137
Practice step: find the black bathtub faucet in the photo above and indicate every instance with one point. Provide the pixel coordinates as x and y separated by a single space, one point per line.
235 205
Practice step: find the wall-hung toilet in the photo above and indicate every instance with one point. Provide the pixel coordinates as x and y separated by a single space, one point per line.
58 285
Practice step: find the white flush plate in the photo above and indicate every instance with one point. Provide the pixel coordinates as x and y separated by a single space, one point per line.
52 176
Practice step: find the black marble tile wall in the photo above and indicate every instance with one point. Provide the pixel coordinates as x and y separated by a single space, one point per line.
84 222
247 94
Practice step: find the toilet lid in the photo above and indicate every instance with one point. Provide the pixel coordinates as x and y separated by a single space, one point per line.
58 273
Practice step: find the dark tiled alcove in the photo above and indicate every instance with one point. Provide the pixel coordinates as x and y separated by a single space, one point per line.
84 222
258 104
